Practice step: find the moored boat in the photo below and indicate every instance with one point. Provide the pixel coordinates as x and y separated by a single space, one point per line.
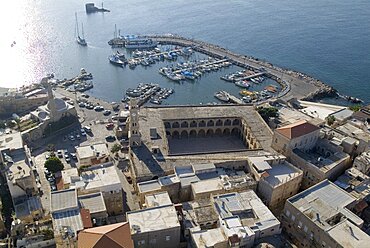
222 96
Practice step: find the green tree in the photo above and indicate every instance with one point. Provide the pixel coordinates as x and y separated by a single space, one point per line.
330 120
53 164
2 124
10 124
115 148
267 112
355 108
48 234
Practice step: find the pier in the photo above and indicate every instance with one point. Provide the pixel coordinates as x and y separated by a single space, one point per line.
233 98
294 84
206 64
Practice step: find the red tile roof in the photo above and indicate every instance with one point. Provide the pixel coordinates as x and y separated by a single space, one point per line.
112 236
86 218
297 129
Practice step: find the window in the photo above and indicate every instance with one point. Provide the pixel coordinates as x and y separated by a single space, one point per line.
168 237
276 140
141 242
287 213
153 241
293 218
300 224
305 229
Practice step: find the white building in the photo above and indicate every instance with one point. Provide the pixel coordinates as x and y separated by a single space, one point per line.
92 154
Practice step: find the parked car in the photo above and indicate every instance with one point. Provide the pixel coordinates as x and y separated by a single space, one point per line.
106 112
74 156
110 138
60 154
87 129
109 125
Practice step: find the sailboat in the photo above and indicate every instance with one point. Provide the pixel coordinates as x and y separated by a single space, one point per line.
80 40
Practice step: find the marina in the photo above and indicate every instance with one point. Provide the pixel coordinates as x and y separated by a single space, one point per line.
148 93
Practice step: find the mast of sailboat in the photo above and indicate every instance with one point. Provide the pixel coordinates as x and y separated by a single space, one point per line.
77 29
82 30
115 30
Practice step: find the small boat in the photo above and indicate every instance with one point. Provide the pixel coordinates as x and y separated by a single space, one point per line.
246 93
121 56
156 101
144 62
115 60
242 84
222 96
271 88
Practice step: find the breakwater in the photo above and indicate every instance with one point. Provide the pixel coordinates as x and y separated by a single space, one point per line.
294 84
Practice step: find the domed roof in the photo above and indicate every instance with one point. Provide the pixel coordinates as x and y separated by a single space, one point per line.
60 105
42 115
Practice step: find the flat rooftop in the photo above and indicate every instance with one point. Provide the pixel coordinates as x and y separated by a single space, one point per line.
349 235
12 141
153 219
69 218
205 186
69 174
248 207
158 199
63 200
93 202
325 200
281 173
101 176
92 150
208 238
148 164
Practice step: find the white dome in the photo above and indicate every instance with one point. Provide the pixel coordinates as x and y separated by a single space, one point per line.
60 105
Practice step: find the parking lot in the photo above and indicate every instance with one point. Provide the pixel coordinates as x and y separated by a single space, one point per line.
94 127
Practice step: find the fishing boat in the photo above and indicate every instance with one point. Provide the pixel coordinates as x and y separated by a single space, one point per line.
271 88
246 93
222 96
115 60
242 84
80 39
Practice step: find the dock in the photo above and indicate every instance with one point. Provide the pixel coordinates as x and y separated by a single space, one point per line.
206 64
252 76
233 98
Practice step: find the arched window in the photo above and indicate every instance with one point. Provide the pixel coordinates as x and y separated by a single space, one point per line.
202 123
184 134
210 123
167 124
193 124
175 125
184 124
193 134
218 131
201 133
219 123
236 122
175 135
209 132
227 122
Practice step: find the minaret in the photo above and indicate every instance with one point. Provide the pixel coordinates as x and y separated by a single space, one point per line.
51 103
134 132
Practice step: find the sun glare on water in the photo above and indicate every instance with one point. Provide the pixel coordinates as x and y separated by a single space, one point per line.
20 43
